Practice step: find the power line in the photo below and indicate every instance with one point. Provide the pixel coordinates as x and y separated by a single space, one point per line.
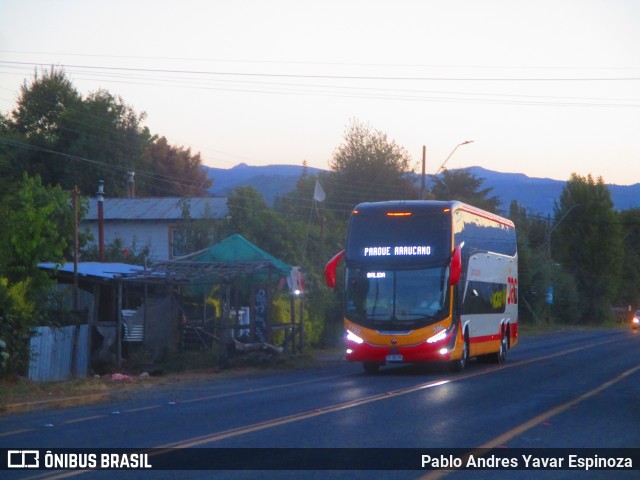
357 92
337 77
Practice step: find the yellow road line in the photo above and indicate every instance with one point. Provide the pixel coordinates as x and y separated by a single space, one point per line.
16 432
84 419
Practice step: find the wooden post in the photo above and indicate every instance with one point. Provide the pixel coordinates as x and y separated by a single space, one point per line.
101 219
119 325
301 322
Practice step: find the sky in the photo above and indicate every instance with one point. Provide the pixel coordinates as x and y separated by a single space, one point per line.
544 88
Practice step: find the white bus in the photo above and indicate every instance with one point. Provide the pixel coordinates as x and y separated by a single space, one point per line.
428 281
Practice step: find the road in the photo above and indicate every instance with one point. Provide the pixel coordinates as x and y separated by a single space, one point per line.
572 389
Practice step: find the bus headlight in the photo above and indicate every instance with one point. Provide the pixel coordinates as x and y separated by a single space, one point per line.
441 335
352 337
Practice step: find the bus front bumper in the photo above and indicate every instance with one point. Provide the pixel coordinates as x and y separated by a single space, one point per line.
357 350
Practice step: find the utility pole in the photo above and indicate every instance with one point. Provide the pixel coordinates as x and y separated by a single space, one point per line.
101 219
75 248
550 230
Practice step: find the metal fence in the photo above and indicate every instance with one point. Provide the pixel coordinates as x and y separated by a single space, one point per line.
59 353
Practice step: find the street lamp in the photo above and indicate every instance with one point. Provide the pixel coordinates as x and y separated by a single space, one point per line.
424 155
452 151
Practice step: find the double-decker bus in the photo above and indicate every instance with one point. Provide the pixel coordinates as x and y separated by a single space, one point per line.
428 281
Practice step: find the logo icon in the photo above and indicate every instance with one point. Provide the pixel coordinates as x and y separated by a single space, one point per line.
23 458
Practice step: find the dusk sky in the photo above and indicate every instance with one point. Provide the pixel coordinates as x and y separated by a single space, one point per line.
544 88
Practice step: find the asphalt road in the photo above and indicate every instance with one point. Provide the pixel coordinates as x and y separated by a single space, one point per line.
572 389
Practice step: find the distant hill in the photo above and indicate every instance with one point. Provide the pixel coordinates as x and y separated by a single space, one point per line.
537 195
269 180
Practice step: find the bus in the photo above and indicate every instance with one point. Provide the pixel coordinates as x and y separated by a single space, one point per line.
427 281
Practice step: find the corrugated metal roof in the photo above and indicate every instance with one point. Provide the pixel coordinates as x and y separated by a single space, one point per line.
95 269
162 208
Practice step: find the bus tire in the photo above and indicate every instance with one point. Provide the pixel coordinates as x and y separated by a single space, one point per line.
501 354
370 368
461 363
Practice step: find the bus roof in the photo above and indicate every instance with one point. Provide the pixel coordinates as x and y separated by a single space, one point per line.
427 206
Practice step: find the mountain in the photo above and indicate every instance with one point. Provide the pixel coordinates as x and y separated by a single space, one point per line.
537 195
269 180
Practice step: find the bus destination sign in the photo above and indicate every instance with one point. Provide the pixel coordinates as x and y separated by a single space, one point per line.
398 251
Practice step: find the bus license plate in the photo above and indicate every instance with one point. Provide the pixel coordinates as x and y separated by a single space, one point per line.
395 358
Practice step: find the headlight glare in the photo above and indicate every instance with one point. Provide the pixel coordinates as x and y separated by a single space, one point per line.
352 337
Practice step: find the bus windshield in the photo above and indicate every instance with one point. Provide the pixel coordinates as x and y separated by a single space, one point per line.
397 299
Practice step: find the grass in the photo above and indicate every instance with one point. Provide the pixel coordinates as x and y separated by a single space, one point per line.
542 328
19 393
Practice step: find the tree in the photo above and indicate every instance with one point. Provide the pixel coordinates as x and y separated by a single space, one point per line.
463 186
69 140
36 224
195 234
630 223
173 171
42 104
587 242
325 233
102 139
369 167
17 316
253 219
324 230
532 274
32 129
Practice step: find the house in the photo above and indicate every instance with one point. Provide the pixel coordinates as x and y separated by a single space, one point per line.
118 308
125 308
158 223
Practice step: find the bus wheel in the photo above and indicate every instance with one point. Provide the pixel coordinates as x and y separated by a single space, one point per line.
459 365
501 355
371 368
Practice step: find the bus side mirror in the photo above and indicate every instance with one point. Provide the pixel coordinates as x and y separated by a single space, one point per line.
330 269
455 269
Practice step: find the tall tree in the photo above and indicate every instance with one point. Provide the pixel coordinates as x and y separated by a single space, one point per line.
464 186
587 241
369 167
69 140
173 171
32 129
42 104
104 139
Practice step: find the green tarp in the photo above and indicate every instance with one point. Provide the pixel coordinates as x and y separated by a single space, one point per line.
232 257
238 249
